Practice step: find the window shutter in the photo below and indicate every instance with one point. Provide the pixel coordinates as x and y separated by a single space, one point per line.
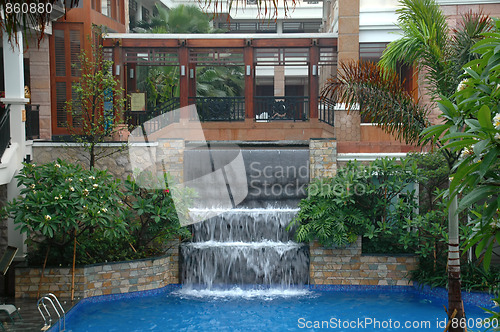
62 115
60 53
75 48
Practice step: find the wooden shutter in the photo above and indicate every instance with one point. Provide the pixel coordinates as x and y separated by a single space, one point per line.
65 47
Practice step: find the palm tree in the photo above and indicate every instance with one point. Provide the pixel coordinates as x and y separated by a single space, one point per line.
15 19
181 19
439 56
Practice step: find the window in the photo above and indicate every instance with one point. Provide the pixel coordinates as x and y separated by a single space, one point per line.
65 46
373 52
106 7
145 14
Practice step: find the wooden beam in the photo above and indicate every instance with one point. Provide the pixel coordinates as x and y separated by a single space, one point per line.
249 82
183 79
226 43
313 81
211 43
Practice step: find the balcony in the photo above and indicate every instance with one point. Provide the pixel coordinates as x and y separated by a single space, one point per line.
232 109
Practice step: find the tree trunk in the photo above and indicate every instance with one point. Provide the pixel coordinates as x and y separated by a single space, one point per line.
73 270
43 271
454 286
92 156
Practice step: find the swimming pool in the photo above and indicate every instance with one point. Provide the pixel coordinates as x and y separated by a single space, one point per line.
331 308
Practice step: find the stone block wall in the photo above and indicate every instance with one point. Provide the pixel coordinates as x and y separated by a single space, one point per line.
348 266
100 279
322 158
165 155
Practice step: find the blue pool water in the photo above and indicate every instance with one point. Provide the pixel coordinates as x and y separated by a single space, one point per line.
291 310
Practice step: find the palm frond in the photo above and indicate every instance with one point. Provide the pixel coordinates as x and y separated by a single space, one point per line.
14 21
381 99
424 43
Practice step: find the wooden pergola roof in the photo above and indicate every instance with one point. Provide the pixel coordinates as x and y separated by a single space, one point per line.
147 40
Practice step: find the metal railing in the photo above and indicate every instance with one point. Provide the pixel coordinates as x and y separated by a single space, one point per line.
326 111
4 130
46 315
219 108
272 108
32 121
157 118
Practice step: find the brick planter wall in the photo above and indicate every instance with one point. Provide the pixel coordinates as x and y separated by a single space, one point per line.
349 267
100 279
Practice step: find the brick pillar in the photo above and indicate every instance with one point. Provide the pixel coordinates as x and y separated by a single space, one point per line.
347 125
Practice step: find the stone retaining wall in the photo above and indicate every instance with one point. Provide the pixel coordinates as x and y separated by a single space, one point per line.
100 279
322 158
349 267
163 155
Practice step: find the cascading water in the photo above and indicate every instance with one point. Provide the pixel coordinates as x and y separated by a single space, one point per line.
249 244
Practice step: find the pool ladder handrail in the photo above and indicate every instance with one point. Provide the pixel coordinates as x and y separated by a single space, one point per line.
62 315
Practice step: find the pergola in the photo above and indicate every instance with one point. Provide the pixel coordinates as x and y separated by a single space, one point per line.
311 51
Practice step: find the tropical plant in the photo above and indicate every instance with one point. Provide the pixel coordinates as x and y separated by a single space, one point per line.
98 104
375 201
220 81
160 84
153 216
62 203
438 55
472 128
181 19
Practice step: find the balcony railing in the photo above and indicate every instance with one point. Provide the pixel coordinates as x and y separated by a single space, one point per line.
157 118
326 111
272 108
32 121
219 108
4 129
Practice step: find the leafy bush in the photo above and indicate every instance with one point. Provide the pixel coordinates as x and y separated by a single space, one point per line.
152 215
368 200
60 202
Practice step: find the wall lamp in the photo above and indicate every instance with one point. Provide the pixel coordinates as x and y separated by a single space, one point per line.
183 70
249 70
315 70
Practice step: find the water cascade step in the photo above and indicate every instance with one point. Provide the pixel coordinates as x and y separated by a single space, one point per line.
249 244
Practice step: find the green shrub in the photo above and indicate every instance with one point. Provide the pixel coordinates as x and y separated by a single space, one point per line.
61 201
372 200
110 221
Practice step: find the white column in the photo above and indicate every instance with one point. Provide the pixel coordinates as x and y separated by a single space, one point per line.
14 87
14 96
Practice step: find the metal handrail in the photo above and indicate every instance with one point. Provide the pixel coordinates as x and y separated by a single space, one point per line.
5 130
156 118
326 111
276 108
61 315
219 108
